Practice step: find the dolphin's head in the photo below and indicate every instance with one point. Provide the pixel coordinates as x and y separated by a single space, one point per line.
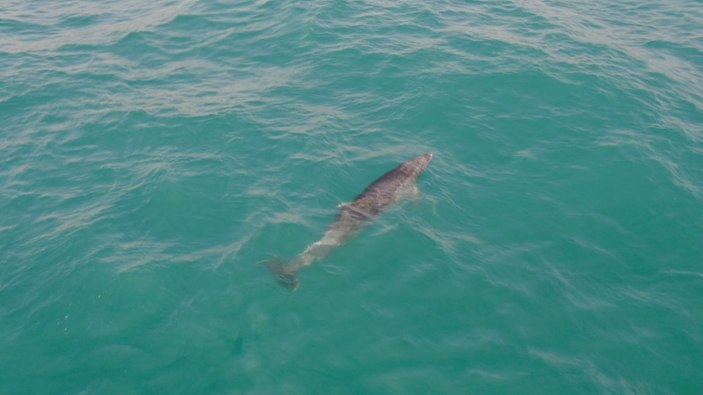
417 165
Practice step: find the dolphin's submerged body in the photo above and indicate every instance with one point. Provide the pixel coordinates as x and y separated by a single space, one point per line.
380 194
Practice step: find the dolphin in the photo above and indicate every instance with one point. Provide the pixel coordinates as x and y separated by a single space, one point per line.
379 195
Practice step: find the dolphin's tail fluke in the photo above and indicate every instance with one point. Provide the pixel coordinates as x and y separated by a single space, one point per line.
287 275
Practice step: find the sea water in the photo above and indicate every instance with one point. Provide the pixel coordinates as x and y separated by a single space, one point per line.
153 152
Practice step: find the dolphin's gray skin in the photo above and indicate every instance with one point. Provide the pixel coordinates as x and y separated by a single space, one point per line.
382 193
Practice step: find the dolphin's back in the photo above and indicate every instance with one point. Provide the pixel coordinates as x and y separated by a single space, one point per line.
386 189
388 183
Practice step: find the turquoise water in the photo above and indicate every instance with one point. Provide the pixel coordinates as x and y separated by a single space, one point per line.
152 152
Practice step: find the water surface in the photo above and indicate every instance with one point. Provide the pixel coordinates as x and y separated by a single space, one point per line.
152 152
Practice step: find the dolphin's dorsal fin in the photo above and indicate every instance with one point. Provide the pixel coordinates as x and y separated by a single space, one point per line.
357 211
